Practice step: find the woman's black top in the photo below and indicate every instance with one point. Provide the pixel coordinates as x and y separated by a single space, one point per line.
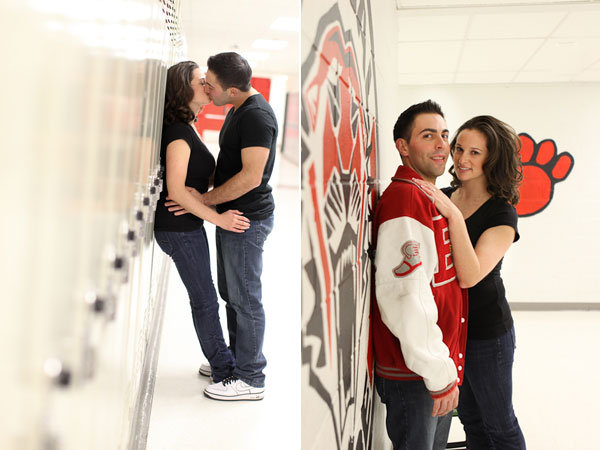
200 167
489 313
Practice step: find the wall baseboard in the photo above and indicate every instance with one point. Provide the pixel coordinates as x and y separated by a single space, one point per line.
554 306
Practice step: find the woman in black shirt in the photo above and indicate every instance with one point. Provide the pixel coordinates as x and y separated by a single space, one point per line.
482 220
189 163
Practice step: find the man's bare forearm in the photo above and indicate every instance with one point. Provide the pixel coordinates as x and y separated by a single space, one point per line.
233 188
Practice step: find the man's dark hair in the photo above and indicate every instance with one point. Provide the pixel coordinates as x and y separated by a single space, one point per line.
179 93
231 69
404 124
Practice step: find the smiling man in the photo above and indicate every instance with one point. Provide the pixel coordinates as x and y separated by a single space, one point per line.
419 310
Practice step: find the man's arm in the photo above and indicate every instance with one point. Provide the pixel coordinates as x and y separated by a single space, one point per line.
405 261
254 160
177 160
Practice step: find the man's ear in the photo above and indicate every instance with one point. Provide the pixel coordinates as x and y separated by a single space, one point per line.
233 91
402 146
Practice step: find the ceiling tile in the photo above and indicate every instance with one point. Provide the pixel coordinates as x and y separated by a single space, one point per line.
206 35
580 24
542 76
449 3
438 56
425 78
484 77
566 55
588 75
413 28
513 25
502 54
548 43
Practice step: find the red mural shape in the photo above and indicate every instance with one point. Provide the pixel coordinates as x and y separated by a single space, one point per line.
339 162
212 117
344 138
342 146
543 167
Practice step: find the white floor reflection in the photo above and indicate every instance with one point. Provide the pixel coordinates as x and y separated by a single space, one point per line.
182 417
556 374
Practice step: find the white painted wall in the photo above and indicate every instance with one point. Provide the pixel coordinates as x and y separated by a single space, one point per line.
386 61
555 259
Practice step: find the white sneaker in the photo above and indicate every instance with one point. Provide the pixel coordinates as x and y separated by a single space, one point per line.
205 370
232 388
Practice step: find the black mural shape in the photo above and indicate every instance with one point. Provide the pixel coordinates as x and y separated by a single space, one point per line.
342 210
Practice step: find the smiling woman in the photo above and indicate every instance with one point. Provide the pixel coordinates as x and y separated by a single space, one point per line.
470 153
487 149
483 224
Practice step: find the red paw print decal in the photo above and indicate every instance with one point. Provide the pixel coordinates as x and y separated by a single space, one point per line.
542 169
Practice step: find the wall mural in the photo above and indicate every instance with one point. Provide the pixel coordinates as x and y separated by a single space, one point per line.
543 167
212 117
339 139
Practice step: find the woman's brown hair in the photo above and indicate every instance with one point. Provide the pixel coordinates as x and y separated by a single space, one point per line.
503 169
179 93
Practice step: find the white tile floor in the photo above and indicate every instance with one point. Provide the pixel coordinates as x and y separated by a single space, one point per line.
556 373
556 378
182 417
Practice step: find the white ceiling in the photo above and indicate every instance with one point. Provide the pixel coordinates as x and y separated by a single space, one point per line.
233 25
509 41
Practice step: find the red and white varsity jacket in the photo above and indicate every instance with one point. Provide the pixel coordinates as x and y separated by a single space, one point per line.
419 310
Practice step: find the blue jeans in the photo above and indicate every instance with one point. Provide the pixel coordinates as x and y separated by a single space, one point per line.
189 251
485 402
408 418
239 267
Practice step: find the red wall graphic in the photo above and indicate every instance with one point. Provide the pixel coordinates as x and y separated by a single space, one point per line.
543 167
339 142
212 117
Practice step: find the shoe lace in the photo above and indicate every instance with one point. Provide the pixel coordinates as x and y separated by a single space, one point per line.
229 380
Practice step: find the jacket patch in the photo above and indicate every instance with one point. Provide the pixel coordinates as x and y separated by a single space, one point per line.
411 261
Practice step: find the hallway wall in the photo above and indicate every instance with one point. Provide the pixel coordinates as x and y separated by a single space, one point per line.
343 72
82 288
554 259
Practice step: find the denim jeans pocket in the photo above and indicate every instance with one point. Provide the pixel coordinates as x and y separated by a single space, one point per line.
505 345
260 235
164 243
264 228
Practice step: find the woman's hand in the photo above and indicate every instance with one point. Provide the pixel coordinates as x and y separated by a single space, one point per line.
441 200
233 220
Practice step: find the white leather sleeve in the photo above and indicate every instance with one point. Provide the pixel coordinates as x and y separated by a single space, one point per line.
406 302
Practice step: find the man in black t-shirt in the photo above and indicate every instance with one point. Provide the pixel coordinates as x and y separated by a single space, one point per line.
247 144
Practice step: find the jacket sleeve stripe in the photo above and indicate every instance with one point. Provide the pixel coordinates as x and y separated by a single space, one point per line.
406 303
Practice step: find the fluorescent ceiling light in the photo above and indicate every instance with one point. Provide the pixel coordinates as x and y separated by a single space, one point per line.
286 24
269 44
256 56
